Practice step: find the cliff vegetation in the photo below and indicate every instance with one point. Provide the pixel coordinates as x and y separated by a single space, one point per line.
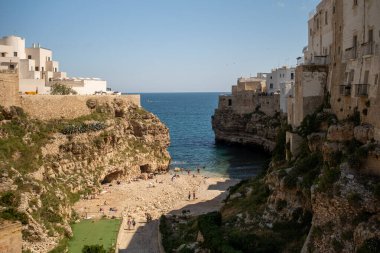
320 200
46 166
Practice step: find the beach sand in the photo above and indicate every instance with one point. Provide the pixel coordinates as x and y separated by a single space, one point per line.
161 195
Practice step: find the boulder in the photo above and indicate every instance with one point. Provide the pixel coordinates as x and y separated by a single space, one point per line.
364 133
340 133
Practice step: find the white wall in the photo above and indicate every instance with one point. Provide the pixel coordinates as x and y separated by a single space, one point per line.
17 44
33 85
278 76
91 86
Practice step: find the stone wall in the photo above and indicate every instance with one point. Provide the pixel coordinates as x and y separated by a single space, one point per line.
269 104
47 107
10 237
308 92
9 88
248 101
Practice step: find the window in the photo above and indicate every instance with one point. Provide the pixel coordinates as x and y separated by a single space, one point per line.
271 86
37 68
355 2
29 57
15 54
326 18
354 41
2 54
42 69
370 35
376 78
55 69
366 76
229 102
351 76
11 66
292 76
48 58
270 77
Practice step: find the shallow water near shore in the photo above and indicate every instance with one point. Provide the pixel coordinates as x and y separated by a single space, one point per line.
188 116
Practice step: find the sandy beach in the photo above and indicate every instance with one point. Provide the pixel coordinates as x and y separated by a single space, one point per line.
163 194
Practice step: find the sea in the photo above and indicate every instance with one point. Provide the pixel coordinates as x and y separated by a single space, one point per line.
188 117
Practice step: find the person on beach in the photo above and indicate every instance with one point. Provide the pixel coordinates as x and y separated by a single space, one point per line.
133 223
189 195
129 223
198 170
193 194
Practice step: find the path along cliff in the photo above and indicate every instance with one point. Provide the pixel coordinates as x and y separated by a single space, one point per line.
46 166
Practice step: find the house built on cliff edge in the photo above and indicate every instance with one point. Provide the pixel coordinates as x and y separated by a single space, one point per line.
341 60
281 81
340 64
38 71
249 95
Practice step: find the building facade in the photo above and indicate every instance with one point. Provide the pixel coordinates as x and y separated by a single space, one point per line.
248 96
281 81
37 69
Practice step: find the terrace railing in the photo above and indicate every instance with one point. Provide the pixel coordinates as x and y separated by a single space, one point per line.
368 49
361 90
350 53
345 89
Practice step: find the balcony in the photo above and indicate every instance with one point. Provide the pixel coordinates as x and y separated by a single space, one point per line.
361 90
345 89
317 60
368 49
350 53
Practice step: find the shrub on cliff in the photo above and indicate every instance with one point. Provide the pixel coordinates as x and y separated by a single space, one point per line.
61 89
10 199
83 128
279 151
93 249
371 245
13 214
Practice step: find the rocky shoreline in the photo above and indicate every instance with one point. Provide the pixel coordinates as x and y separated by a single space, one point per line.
256 129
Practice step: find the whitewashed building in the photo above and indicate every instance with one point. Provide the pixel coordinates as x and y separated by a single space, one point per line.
38 71
281 81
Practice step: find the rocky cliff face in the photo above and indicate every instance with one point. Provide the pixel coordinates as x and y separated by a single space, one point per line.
252 129
47 166
324 200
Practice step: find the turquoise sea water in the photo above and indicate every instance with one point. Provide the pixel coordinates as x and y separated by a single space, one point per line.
188 116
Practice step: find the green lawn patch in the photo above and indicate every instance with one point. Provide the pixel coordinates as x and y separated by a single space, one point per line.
91 232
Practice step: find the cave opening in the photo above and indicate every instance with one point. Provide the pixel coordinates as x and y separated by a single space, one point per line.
144 168
111 177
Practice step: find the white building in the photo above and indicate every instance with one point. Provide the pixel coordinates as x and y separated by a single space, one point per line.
281 81
38 71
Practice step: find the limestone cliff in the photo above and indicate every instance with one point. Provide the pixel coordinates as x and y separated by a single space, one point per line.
253 129
48 165
326 199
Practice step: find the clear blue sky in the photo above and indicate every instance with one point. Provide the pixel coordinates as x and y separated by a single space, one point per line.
163 45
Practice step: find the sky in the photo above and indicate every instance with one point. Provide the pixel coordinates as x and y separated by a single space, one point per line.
163 45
